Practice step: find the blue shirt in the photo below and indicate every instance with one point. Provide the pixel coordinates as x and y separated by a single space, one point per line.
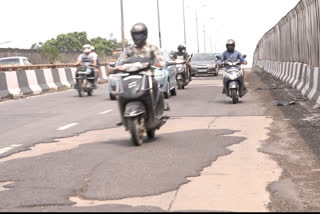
235 55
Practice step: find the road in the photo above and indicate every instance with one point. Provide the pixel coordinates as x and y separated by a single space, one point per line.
59 152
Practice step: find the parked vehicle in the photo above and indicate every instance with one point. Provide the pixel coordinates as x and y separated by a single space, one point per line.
84 81
15 61
204 63
233 81
140 107
183 77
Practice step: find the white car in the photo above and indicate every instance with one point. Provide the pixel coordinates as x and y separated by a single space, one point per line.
12 61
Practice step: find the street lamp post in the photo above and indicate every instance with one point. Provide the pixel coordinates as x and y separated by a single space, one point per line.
197 30
122 25
204 38
184 23
160 43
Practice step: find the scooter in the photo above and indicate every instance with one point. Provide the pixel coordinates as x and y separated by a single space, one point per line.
183 77
233 81
84 81
141 107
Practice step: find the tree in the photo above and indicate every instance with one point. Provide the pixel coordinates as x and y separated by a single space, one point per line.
71 41
74 42
51 51
104 46
36 46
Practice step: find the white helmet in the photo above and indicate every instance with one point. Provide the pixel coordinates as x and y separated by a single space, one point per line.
92 48
86 48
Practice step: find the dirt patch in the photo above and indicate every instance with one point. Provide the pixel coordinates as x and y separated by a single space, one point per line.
293 143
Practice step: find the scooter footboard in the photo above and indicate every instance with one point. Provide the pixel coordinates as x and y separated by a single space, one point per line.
134 109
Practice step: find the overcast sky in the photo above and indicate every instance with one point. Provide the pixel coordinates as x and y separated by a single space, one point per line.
24 22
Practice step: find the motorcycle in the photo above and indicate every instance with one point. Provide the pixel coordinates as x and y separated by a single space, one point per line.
84 81
233 81
141 108
183 77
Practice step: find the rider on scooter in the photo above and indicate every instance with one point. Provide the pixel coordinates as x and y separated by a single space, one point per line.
232 53
141 48
86 49
182 53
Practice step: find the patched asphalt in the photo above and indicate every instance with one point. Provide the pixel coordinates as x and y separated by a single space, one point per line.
112 170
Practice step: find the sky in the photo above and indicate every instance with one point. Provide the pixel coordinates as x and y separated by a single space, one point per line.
246 21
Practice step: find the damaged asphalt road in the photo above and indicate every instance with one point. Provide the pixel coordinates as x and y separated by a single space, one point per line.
210 156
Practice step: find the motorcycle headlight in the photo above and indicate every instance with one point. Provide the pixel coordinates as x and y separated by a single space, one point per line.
233 75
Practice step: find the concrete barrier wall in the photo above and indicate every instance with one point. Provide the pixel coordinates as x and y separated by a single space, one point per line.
15 84
37 58
291 50
301 76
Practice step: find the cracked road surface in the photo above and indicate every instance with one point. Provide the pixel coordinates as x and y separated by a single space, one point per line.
210 156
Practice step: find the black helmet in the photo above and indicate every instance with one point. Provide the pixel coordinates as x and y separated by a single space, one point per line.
181 48
139 33
231 44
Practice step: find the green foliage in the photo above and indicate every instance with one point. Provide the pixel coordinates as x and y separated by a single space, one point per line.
49 50
74 42
71 41
36 46
104 46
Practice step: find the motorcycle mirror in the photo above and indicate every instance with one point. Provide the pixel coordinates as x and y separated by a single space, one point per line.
112 64
244 56
218 57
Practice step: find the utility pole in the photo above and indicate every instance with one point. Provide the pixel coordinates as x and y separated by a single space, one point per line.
197 30
211 42
122 25
204 37
160 43
184 23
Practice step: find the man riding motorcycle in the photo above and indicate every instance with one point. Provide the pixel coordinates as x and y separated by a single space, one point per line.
232 53
141 48
86 49
98 62
182 53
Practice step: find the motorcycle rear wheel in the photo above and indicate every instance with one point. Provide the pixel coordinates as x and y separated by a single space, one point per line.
136 127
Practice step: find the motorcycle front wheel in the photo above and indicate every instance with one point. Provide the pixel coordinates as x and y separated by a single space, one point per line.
180 84
90 93
80 87
234 96
136 127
